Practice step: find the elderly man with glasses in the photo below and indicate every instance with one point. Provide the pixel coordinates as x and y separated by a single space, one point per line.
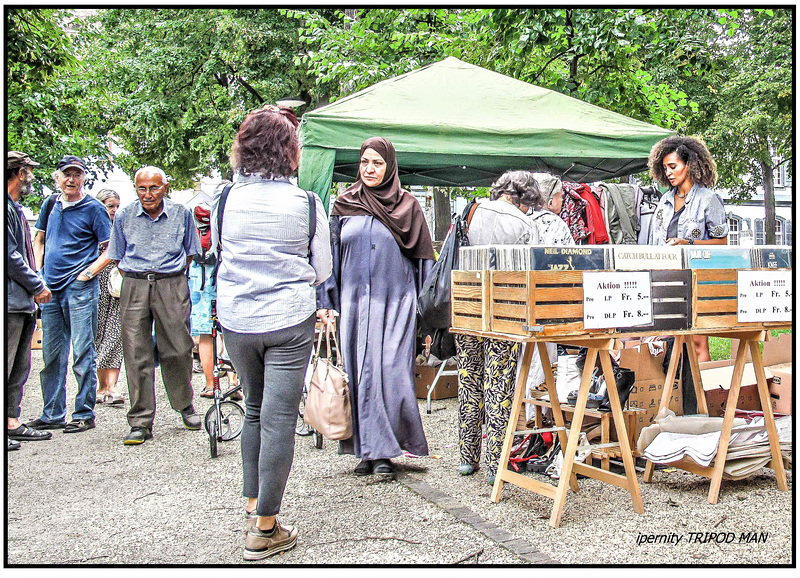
154 241
72 229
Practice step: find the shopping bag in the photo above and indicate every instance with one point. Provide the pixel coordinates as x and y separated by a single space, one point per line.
328 402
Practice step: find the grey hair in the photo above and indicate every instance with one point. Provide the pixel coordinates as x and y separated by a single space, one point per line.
519 185
151 168
106 194
549 186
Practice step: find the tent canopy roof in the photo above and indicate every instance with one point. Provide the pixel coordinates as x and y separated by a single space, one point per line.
456 124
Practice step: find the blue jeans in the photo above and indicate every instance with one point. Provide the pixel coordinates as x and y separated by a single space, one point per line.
70 316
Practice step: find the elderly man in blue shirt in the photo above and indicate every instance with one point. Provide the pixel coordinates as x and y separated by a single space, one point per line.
154 241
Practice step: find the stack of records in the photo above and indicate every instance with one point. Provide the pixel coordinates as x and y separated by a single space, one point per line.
771 257
716 257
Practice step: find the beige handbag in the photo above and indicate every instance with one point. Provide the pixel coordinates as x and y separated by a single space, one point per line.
328 403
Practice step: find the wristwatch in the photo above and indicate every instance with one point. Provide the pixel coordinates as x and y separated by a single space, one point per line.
691 241
88 273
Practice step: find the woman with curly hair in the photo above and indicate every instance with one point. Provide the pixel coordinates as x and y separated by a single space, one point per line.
266 303
690 213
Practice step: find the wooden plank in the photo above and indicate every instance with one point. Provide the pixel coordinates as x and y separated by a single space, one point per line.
541 488
562 311
726 290
506 310
512 327
467 307
559 294
602 475
470 323
714 275
509 277
721 322
467 292
716 306
555 277
502 293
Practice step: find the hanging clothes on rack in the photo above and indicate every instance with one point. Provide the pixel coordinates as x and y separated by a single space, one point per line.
598 235
573 212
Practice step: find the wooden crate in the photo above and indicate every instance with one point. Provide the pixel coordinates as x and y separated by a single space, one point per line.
714 300
469 294
551 302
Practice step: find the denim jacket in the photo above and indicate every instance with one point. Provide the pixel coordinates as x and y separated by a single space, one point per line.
703 216
22 282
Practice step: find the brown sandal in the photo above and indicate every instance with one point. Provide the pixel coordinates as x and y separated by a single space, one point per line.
207 393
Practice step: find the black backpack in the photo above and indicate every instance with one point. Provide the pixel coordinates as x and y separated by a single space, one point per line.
433 304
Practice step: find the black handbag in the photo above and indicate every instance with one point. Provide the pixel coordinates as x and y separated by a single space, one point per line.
625 379
433 304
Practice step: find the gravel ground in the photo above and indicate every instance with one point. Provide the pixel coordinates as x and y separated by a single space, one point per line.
168 502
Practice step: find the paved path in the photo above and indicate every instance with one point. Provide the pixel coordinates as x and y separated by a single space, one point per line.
87 499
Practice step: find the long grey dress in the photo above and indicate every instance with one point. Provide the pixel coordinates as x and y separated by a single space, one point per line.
374 287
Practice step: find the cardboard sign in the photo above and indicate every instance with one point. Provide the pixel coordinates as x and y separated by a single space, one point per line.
764 296
613 299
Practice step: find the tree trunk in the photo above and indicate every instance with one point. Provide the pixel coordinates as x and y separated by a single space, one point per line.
441 212
769 205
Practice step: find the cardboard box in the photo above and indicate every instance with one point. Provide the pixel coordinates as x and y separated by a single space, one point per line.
777 350
36 340
780 390
445 388
646 395
646 367
717 375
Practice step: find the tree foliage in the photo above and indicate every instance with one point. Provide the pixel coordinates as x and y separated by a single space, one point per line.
179 82
53 109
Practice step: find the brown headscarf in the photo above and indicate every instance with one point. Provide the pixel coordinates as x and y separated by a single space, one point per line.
397 209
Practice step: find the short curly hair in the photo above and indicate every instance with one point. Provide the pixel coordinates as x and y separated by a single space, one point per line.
267 144
692 152
520 185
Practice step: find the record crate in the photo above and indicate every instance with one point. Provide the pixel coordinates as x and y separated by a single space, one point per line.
715 301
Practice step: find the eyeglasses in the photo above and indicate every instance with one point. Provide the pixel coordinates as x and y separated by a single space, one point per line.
152 190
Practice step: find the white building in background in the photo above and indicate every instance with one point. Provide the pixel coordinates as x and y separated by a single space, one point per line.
746 220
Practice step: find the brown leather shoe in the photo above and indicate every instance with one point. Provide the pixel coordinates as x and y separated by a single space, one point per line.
259 545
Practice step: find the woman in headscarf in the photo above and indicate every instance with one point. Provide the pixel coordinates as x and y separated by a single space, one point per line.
382 251
108 341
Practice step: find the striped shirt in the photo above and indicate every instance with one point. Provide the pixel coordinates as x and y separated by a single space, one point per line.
142 244
265 281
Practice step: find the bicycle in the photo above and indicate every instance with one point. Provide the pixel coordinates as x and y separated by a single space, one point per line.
225 419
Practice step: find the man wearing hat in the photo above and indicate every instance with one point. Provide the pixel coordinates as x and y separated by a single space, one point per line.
71 228
24 288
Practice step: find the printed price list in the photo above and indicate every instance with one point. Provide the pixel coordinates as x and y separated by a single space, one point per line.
764 296
616 299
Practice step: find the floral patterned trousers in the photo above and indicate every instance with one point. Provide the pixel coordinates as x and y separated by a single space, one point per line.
486 376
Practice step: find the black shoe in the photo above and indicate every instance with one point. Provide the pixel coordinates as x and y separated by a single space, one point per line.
383 468
79 425
12 445
190 419
27 434
137 436
364 468
39 424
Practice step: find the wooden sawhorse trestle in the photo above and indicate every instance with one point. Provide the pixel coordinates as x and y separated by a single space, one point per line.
598 347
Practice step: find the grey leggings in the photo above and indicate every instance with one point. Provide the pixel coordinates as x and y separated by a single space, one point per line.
271 367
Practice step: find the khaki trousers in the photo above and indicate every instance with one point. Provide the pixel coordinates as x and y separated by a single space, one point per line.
165 304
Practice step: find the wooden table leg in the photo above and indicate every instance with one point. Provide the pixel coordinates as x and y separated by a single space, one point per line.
727 424
622 434
677 348
769 417
516 407
574 436
605 437
699 392
555 405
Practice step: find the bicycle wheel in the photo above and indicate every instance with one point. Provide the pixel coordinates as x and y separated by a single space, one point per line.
232 420
211 426
302 428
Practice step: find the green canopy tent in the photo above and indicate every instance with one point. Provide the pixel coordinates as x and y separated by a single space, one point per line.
456 124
